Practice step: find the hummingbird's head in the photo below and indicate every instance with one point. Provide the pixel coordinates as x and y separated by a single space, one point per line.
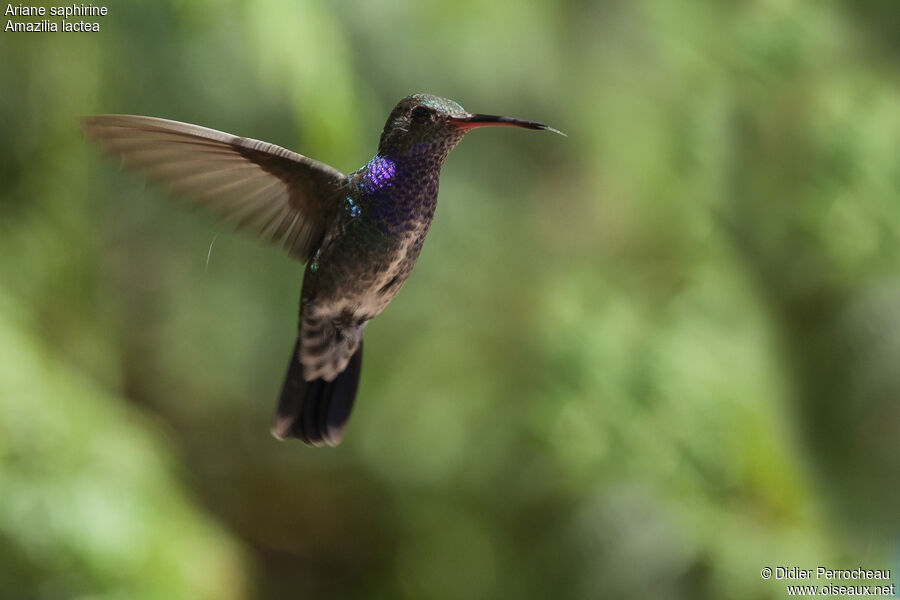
426 125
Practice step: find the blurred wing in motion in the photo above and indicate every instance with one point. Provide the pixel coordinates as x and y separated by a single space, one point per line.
278 195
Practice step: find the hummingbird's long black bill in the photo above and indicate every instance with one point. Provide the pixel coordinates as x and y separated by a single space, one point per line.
472 121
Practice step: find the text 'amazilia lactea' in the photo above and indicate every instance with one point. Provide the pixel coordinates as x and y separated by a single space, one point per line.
359 234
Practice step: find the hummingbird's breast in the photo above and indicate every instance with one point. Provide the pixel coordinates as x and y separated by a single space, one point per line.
369 254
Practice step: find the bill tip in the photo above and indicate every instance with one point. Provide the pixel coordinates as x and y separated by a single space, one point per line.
554 130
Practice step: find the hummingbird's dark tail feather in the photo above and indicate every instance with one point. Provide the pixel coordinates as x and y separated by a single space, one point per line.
316 412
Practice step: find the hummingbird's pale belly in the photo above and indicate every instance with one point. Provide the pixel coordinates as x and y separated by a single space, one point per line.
362 288
351 281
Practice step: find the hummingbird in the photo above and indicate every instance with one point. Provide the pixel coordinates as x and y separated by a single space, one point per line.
359 235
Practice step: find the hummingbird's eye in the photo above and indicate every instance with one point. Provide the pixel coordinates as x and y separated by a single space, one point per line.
420 114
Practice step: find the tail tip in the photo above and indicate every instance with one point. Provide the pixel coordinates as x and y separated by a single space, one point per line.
285 427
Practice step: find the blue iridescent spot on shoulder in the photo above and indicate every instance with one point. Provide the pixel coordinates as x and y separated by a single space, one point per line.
352 207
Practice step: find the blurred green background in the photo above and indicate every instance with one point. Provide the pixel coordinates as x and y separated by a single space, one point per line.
642 361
